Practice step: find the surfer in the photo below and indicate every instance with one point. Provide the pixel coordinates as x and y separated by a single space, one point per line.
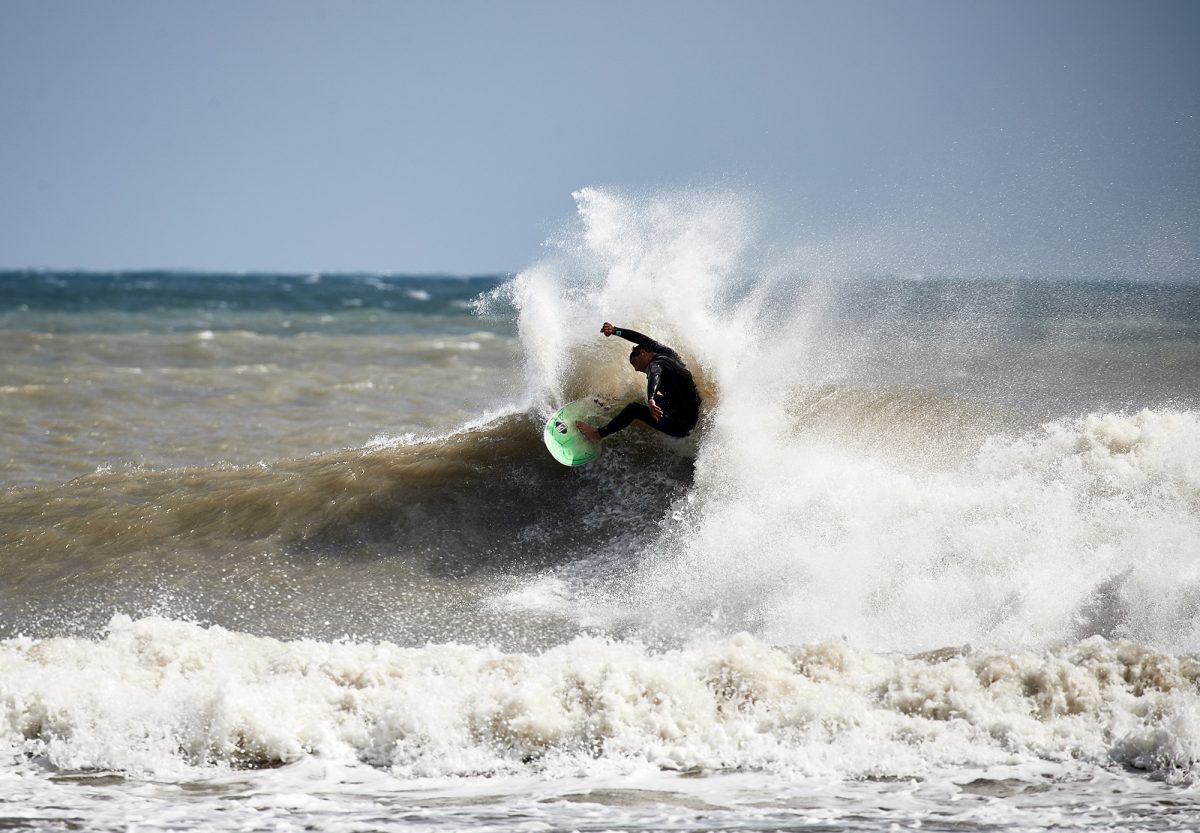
672 403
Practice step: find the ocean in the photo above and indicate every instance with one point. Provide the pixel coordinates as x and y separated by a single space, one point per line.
286 552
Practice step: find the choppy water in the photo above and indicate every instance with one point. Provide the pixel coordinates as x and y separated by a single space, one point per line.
285 552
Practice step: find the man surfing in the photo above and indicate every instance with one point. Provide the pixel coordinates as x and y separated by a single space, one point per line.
672 403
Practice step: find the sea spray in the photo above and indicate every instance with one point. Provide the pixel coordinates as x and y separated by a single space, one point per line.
670 265
869 464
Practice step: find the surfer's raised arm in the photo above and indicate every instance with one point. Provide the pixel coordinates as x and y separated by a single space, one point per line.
637 338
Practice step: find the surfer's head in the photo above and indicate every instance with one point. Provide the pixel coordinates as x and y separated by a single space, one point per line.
639 357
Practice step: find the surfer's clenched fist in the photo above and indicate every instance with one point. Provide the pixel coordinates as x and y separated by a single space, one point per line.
607 329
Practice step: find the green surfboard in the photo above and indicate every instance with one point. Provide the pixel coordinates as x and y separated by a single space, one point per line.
566 444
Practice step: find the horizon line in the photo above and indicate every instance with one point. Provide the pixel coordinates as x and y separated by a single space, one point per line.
296 273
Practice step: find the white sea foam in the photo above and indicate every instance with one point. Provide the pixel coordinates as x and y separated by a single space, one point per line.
1083 526
160 698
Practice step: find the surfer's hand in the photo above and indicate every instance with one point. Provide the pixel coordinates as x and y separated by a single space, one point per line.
608 329
655 409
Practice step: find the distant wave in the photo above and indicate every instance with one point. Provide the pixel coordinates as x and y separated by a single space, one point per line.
171 299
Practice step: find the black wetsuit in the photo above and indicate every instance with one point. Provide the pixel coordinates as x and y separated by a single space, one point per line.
669 382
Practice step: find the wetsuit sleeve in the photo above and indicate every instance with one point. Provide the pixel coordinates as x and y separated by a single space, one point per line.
643 341
653 377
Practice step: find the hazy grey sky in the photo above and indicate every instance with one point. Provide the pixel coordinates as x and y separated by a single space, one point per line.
448 136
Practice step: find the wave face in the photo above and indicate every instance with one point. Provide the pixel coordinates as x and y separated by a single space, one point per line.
407 540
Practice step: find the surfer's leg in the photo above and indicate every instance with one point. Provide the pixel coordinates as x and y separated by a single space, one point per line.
632 411
677 425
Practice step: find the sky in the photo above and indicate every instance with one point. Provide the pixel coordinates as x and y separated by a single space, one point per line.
291 135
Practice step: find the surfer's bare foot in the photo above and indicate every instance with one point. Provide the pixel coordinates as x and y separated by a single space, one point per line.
588 431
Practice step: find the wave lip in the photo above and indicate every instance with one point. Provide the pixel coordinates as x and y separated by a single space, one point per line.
158 698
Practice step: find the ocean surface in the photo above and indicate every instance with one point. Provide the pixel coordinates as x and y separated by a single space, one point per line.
285 552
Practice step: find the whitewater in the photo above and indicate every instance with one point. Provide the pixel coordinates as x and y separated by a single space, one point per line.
285 552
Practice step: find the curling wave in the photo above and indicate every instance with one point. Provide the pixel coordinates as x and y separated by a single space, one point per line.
481 502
